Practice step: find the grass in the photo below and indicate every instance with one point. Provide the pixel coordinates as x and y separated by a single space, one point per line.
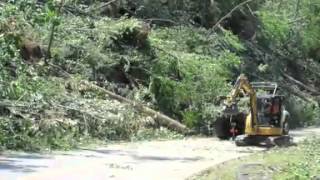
296 162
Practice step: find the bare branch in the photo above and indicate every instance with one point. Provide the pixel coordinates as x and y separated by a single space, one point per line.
162 20
106 4
308 88
230 12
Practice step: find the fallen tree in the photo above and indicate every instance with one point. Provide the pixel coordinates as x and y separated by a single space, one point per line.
158 117
294 91
308 88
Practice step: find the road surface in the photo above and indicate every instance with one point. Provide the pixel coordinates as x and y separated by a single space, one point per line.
176 159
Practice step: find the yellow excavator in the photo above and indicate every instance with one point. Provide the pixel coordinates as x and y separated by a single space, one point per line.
266 121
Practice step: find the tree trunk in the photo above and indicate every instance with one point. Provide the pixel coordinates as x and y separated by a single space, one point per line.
308 88
159 117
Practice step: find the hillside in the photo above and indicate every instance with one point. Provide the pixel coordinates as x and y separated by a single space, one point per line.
176 57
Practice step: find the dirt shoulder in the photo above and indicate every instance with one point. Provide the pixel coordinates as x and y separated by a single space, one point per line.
176 159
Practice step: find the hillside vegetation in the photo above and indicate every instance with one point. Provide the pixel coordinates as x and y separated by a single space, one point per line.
177 57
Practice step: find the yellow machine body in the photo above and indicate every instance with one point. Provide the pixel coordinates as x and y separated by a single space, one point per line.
261 130
259 121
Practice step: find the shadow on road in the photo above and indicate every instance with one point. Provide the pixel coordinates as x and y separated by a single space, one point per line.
109 151
141 157
166 158
20 163
26 156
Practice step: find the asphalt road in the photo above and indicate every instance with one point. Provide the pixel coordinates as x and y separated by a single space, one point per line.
176 159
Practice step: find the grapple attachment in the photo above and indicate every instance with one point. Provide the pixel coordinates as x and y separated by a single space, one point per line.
231 110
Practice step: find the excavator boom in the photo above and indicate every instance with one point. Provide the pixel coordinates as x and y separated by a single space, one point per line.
242 85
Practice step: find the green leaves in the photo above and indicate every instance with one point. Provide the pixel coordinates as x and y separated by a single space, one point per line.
291 23
275 27
233 41
190 73
311 30
305 164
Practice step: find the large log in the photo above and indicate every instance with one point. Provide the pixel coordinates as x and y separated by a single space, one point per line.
308 88
159 117
300 94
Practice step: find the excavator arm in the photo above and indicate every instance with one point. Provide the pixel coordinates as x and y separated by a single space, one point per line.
242 85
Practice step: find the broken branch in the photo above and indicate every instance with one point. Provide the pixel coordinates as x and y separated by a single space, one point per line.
308 88
230 12
159 117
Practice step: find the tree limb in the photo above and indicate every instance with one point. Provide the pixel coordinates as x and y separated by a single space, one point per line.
297 9
106 4
230 12
299 94
308 88
162 20
53 29
159 117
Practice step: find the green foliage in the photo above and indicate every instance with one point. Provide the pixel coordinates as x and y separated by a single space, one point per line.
187 78
307 167
65 122
302 113
233 41
310 33
31 88
25 134
292 23
20 82
275 27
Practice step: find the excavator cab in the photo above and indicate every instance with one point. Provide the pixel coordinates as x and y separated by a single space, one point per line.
268 104
269 110
266 117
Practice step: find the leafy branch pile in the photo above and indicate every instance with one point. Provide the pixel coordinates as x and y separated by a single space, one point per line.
63 121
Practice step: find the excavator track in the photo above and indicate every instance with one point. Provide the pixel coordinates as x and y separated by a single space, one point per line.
271 141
